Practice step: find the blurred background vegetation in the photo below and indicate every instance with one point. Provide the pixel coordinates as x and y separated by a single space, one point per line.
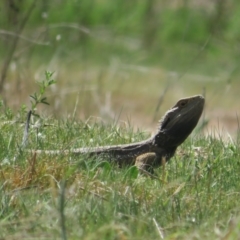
123 59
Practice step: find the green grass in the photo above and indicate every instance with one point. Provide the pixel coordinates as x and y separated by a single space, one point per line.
195 197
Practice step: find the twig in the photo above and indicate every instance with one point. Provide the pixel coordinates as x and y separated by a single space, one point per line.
26 130
75 107
195 58
70 25
160 100
159 229
2 31
13 46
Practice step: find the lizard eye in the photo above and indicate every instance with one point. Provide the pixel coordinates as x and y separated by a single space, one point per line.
182 103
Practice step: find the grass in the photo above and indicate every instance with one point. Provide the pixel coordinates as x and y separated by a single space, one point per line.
196 195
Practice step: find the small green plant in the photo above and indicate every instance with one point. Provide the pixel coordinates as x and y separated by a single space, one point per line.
38 97
6 112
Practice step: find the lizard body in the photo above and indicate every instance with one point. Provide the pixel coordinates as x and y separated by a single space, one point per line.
174 128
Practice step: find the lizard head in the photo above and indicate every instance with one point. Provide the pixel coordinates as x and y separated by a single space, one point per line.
179 121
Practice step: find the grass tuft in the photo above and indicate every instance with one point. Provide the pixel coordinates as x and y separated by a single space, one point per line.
193 196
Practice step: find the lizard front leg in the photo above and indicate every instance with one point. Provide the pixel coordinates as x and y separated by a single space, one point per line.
146 161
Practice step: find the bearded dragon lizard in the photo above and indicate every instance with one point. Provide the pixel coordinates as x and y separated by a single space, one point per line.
175 126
